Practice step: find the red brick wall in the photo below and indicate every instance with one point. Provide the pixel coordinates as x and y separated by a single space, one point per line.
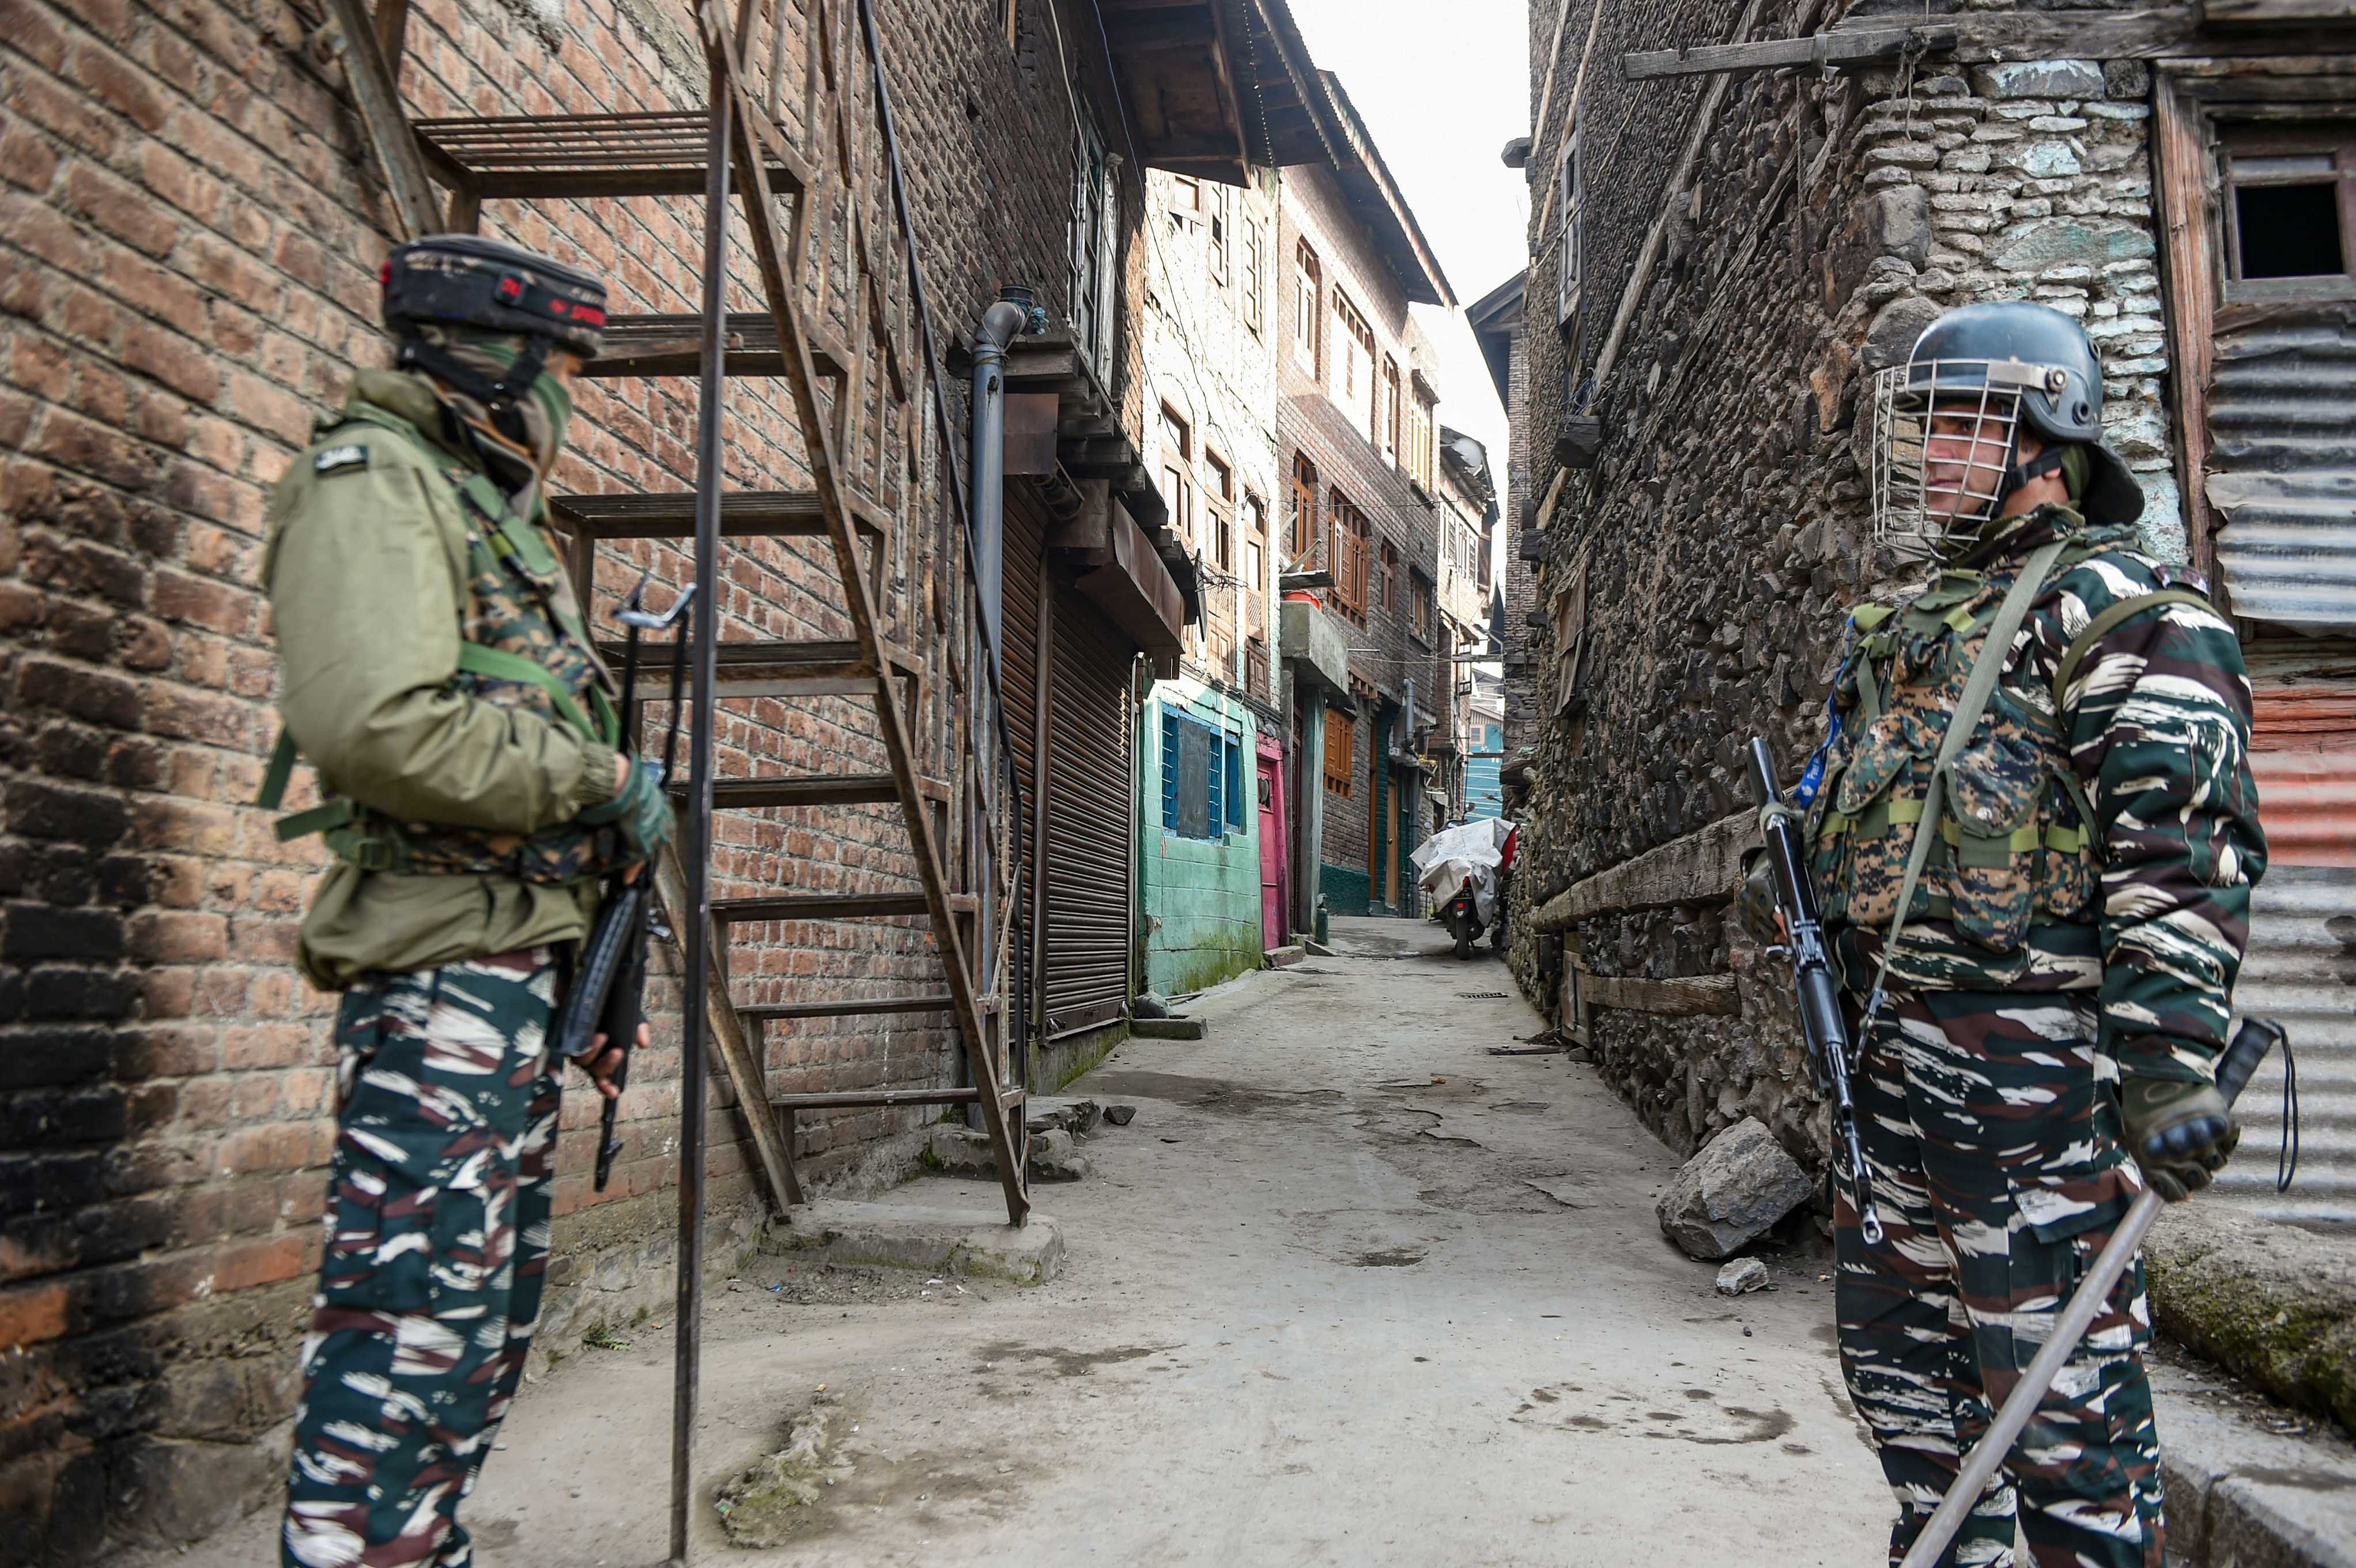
189 233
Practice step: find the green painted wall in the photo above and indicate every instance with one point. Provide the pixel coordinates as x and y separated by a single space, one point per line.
1345 888
1199 897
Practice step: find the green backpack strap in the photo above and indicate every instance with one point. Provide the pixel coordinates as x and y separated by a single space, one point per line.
1979 687
2107 621
500 664
323 818
1868 619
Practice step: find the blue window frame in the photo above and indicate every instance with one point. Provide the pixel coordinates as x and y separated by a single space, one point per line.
1201 777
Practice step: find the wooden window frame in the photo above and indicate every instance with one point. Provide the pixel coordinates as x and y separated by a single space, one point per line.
1342 725
1178 478
1300 541
1308 307
1391 411
2246 140
1219 504
1388 600
1351 543
1215 219
1255 278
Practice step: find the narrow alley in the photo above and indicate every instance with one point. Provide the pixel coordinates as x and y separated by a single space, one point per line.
1349 1290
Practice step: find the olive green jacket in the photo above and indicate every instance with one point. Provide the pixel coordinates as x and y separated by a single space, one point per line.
367 570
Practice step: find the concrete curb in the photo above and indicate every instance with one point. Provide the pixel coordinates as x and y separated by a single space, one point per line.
2272 1304
2241 1497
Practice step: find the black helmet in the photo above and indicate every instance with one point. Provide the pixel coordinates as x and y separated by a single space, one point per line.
469 280
2042 360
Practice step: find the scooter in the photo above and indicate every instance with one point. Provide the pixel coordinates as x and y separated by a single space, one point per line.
1461 915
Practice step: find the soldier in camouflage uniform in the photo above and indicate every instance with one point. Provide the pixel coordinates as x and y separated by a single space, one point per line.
440 679
2039 1023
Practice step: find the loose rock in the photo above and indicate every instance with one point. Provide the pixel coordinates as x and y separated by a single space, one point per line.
1121 1115
1730 1192
1741 1276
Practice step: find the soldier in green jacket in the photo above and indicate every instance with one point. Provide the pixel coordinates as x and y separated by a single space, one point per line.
2045 984
440 679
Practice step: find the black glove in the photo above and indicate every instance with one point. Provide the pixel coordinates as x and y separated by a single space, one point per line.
642 811
2181 1132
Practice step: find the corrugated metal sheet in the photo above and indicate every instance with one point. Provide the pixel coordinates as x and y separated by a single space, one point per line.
2301 971
2307 803
2282 460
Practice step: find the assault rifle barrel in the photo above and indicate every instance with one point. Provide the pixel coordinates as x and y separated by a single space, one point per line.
1821 1021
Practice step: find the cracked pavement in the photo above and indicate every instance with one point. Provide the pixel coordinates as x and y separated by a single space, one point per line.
1349 1291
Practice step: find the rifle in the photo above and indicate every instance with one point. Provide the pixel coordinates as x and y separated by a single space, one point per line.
2251 1044
1821 1023
609 989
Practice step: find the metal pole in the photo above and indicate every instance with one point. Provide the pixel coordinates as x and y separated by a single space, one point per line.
693 1072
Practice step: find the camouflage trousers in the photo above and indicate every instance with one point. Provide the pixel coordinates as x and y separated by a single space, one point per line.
1990 1124
437 1246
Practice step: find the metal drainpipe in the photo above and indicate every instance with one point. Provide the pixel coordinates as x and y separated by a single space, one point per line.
1000 325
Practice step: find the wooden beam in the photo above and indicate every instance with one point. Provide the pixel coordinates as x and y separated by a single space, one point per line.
727 1038
387 127
2180 190
1707 994
1837 47
1703 867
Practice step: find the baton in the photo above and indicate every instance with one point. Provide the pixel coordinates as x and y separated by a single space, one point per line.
2256 1038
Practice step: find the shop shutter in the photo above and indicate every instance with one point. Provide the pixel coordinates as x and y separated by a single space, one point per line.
1087 894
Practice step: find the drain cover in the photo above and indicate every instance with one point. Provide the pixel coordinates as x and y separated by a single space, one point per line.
1483 995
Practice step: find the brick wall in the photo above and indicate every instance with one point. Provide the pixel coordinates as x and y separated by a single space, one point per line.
1726 530
189 234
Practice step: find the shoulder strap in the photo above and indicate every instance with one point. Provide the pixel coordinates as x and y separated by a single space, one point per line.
2108 621
500 664
275 776
1978 687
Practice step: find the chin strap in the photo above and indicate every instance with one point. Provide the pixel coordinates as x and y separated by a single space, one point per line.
498 397
2020 476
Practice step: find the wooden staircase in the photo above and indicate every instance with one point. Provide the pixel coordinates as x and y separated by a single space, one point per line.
845 330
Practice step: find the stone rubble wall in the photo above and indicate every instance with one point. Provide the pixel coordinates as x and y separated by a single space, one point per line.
1726 530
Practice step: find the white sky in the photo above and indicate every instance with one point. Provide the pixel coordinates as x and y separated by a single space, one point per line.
1443 88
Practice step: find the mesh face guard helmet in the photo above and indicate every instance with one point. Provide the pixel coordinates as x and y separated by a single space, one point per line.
465 280
1947 446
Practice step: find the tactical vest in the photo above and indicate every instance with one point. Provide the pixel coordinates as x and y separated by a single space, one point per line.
2016 840
522 645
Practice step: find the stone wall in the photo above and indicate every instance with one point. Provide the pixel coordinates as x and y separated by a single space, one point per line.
1725 532
191 227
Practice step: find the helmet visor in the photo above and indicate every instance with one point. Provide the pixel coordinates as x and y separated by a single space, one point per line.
1946 435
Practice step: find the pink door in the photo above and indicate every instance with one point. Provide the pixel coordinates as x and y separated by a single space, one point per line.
1271 856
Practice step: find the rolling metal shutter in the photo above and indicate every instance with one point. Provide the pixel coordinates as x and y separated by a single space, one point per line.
1087 897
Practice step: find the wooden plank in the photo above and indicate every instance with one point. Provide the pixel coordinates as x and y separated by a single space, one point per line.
1840 47
387 127
817 906
863 1099
728 1039
2261 11
2181 190
847 1007
1703 866
1706 994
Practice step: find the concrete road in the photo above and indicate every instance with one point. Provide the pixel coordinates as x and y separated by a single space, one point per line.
1349 1291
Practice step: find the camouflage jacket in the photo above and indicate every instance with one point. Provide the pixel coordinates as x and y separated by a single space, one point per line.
439 678
2101 837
